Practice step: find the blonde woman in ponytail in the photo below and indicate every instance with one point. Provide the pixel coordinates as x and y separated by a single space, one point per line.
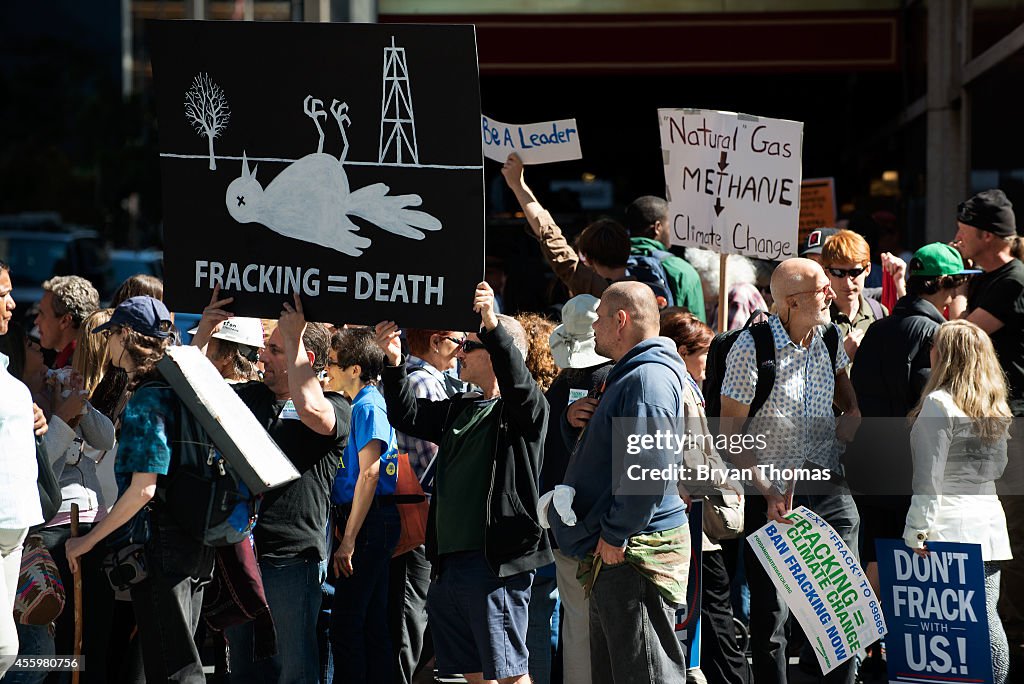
958 439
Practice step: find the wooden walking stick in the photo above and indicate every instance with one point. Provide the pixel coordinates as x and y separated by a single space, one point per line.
76 673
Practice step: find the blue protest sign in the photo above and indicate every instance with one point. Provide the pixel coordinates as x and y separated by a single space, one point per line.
935 610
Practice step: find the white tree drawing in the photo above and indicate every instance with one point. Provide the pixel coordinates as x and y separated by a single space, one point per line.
206 108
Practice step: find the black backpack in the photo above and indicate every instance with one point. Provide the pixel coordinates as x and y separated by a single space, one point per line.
764 348
202 492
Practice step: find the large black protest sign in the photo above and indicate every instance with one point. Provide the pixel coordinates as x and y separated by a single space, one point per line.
339 161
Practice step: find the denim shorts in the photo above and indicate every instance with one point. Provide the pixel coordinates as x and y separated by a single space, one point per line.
478 621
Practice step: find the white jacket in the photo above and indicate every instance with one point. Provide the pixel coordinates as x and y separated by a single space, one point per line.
74 462
954 496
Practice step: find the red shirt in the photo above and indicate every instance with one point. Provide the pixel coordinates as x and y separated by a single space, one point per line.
64 357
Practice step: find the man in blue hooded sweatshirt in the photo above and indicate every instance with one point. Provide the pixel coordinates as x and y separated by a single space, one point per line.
635 547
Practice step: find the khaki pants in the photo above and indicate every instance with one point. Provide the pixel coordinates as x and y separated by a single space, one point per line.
575 622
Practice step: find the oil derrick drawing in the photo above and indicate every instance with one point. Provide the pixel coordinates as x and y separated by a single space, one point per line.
397 124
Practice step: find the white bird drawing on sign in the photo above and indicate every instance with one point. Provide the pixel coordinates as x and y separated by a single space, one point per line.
310 200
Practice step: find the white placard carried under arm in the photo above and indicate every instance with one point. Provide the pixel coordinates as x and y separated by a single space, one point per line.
732 181
230 424
537 143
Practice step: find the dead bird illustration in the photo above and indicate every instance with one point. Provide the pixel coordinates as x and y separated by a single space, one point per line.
311 200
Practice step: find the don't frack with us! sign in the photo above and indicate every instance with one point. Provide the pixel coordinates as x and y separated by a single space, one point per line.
732 181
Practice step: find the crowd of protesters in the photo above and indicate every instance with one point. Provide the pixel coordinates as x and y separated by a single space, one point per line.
459 508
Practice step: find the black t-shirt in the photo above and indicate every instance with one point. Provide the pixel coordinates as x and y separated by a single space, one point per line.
1001 293
293 518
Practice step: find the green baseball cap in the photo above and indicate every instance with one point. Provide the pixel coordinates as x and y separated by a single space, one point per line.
938 259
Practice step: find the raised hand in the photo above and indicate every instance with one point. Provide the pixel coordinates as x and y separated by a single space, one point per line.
512 170
213 315
894 266
483 304
388 337
292 321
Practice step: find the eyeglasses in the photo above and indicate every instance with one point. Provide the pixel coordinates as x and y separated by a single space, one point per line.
847 272
823 291
457 341
332 364
471 346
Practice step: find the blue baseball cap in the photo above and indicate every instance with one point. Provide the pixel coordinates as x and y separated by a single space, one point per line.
142 314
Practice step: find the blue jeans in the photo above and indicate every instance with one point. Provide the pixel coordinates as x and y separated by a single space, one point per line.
541 629
323 623
292 586
33 640
360 639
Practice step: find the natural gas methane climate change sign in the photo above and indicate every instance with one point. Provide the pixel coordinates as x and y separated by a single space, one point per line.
820 580
732 181
936 610
338 161
539 143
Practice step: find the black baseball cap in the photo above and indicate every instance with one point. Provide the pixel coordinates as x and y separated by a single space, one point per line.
990 211
816 240
144 315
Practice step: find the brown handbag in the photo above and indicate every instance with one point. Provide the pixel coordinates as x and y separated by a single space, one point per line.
413 508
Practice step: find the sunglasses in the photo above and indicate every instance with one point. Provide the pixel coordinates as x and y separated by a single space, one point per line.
847 272
109 331
471 346
457 341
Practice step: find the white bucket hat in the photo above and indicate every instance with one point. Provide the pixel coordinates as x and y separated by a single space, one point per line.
572 343
247 331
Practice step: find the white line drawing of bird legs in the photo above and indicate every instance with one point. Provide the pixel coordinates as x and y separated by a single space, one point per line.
340 112
314 110
310 199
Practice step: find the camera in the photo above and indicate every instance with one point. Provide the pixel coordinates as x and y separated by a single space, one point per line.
126 567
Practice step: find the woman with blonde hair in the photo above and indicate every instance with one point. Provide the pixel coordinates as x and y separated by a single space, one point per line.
91 357
958 439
